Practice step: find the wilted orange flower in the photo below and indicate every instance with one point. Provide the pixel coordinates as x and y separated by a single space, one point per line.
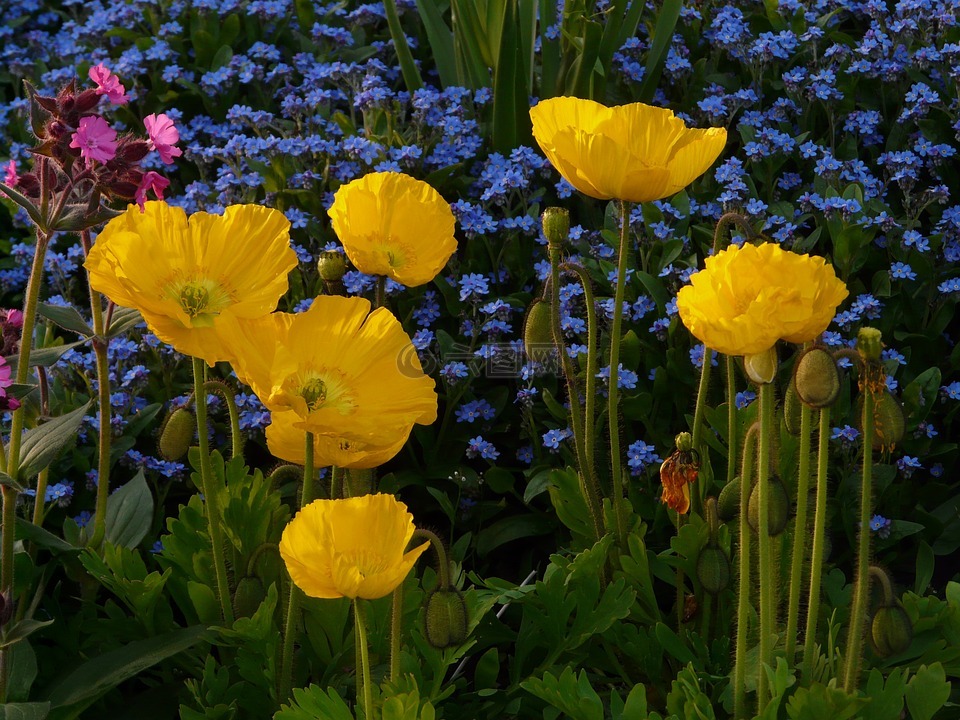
394 225
355 547
635 152
187 276
676 474
749 297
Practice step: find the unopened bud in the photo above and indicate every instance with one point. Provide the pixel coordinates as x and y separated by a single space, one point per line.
778 506
869 344
556 225
331 265
176 436
728 503
538 330
248 596
761 367
445 618
791 409
889 423
713 570
891 631
817 379
684 442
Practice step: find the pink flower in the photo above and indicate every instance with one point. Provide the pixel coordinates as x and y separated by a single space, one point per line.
95 139
108 84
5 379
151 181
163 137
11 178
14 318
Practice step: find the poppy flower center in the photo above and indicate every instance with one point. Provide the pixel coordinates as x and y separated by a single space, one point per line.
200 298
367 562
397 255
325 389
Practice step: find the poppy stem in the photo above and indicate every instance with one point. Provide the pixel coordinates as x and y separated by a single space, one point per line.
224 391
380 292
359 620
211 496
743 588
799 533
293 603
765 577
613 394
697 430
819 537
396 627
861 592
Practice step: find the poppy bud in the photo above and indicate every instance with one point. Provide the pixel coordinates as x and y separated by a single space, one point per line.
556 225
538 330
176 436
728 503
713 570
869 344
445 618
888 421
791 409
891 631
761 367
816 378
331 265
248 596
778 507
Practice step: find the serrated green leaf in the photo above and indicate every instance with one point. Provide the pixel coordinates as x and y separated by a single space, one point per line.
927 692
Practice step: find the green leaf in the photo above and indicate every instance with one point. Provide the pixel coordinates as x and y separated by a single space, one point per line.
103 673
123 319
314 702
511 117
7 481
656 57
67 317
820 701
920 395
569 693
512 528
886 697
43 357
927 691
672 644
129 513
17 631
925 565
26 530
42 444
440 38
25 711
23 671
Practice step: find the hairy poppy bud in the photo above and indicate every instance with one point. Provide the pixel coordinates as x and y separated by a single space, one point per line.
891 631
176 436
761 367
791 409
538 330
331 265
713 570
248 596
728 503
556 225
816 378
869 344
888 421
445 618
778 507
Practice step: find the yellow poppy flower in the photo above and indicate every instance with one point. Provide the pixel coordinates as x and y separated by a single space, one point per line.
346 372
187 275
749 297
350 548
392 224
635 152
286 441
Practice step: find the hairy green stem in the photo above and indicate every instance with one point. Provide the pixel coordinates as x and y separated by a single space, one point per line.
743 587
224 391
588 483
396 628
732 444
699 492
861 592
16 437
819 539
293 603
766 576
613 395
799 533
364 658
211 494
